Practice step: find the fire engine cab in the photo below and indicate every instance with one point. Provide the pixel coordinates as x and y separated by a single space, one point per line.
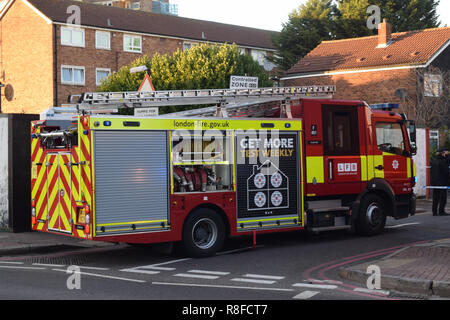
262 160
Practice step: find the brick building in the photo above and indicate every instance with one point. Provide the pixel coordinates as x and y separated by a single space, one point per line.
376 69
43 58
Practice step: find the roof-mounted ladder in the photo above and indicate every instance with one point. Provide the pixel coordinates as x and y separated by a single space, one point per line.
230 102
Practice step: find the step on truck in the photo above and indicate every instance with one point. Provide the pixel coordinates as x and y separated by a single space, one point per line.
259 161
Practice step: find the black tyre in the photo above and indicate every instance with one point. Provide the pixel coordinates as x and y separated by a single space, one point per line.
372 215
203 233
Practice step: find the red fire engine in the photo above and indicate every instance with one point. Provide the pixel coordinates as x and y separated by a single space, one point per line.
263 160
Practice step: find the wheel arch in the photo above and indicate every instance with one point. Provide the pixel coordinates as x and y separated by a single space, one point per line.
381 188
220 212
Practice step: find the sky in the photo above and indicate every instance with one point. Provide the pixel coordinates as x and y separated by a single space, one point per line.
261 14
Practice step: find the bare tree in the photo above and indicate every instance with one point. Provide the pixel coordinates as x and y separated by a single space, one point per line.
430 107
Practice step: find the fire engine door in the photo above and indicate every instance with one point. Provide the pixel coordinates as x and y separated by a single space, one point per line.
341 146
59 193
390 161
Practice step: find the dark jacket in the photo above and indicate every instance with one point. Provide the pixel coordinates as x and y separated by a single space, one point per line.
440 171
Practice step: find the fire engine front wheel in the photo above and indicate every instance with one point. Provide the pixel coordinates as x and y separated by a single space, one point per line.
203 233
372 215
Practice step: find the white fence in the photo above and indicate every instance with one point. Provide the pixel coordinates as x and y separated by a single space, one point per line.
421 163
4 155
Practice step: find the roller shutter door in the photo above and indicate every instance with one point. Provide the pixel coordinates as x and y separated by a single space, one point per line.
131 181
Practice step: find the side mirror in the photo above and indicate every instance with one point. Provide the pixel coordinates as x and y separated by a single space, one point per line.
412 136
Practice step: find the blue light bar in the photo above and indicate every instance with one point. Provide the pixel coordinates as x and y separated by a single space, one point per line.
384 106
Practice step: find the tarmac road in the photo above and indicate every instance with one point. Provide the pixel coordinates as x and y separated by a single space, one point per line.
286 266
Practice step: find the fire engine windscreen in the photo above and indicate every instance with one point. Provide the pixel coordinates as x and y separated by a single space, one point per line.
390 138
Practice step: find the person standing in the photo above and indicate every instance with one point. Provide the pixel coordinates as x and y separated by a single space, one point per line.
440 178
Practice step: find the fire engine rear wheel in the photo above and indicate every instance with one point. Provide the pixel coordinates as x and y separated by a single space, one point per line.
372 215
203 233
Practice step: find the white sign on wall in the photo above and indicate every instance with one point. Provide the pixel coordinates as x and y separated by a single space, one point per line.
146 112
240 82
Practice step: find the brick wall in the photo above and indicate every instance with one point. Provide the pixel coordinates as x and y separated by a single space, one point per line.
26 52
91 58
372 87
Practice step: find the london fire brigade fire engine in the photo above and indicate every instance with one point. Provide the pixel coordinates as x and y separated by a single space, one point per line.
261 160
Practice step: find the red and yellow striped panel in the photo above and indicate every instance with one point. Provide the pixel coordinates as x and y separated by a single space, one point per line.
84 153
55 187
76 193
59 192
39 183
52 192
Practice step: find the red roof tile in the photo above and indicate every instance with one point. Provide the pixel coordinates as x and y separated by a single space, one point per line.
407 48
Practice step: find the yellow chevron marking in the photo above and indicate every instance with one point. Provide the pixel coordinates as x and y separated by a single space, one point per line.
75 192
33 145
39 181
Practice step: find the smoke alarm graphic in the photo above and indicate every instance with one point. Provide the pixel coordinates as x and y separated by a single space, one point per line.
276 180
267 188
260 199
259 180
276 198
395 164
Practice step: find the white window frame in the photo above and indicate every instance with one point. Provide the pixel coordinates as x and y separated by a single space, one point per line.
96 75
189 45
71 44
73 83
135 5
259 56
434 138
432 85
132 37
97 33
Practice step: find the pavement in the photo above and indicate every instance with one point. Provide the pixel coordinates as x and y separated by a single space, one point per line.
39 242
422 269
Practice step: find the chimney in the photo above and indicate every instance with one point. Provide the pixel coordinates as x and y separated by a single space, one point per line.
384 34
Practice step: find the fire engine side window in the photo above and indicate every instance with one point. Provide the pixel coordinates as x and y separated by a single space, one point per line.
340 133
201 161
390 137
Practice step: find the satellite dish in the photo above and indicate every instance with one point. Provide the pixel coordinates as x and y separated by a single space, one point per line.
9 92
401 93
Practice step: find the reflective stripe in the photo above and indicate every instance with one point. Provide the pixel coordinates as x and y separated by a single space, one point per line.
408 167
273 219
363 168
314 170
130 223
302 192
84 171
378 161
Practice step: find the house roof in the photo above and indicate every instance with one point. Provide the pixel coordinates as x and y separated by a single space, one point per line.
407 48
158 24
